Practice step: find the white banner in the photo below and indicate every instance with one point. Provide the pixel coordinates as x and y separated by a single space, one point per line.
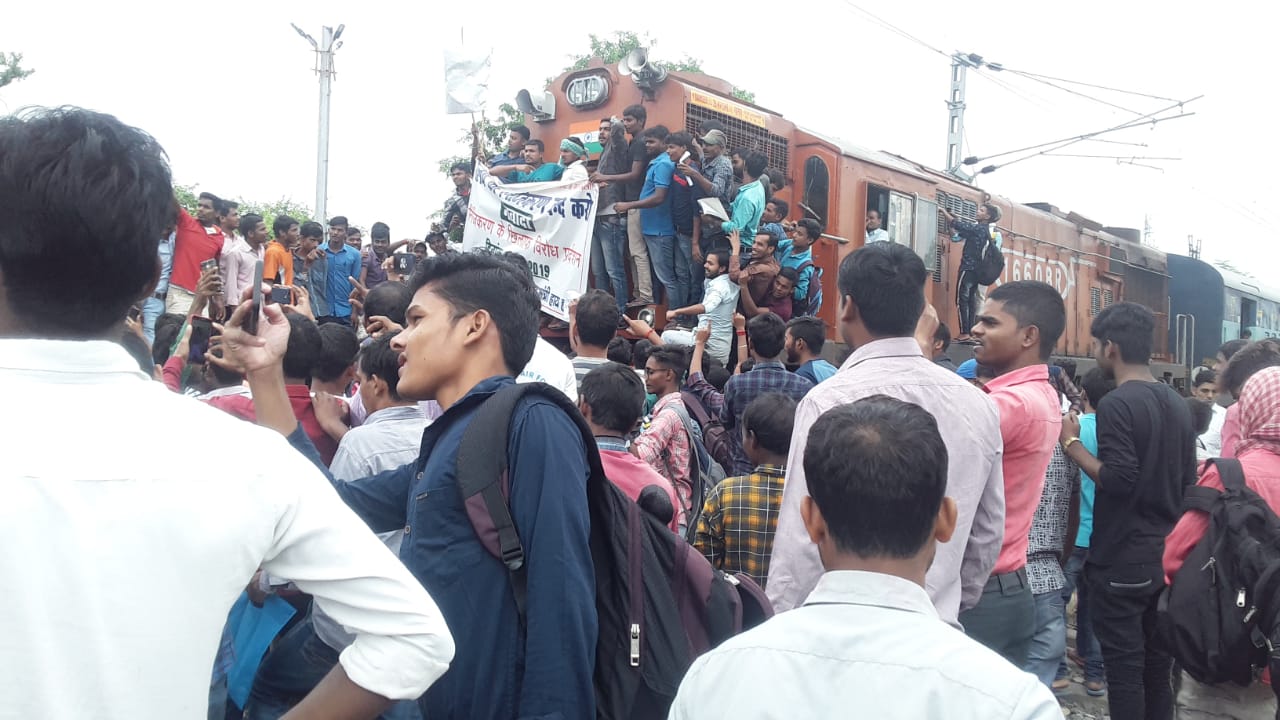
466 80
550 224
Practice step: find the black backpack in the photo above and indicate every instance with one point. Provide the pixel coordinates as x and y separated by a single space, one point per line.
715 437
991 264
812 302
1219 615
659 602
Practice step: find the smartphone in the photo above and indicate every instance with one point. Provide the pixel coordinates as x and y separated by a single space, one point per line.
280 295
201 331
211 263
251 322
405 262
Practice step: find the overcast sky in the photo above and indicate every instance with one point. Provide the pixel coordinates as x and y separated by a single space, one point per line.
229 91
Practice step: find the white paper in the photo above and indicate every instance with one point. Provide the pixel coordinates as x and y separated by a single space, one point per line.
466 80
712 206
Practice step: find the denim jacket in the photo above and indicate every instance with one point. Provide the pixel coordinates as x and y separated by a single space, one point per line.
499 671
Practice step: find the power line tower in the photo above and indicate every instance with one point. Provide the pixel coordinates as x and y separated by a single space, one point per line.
960 65
1146 231
325 49
1193 247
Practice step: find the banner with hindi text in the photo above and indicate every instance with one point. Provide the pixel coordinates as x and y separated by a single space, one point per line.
550 224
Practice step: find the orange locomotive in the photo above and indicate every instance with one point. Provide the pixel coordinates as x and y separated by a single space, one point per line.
837 184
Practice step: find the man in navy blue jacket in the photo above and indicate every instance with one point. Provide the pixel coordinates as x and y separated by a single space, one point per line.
470 328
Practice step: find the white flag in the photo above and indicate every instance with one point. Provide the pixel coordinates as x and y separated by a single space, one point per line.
466 80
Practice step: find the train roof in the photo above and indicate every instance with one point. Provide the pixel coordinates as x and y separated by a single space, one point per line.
1246 284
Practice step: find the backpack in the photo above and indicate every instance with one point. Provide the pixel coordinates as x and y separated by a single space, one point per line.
704 471
812 301
991 264
659 602
715 438
1218 616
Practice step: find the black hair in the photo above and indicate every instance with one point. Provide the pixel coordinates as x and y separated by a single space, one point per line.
943 335
1205 376
672 357
772 238
167 328
718 376
304 348
637 112
780 206
790 274
1096 384
338 349
354 231
619 351
378 359
721 256
1201 414
477 281
224 207
390 300
877 470
1130 327
771 418
281 225
756 163
79 184
223 376
811 330
214 199
993 212
1231 347
463 166
421 244
615 394
886 282
640 353
597 318
777 180
747 365
542 147
812 228
522 131
340 220
659 132
1068 366
137 348
767 334
249 223
1248 361
311 229
681 138
1032 302
380 230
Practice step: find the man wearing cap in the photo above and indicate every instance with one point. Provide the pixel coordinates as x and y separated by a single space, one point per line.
716 176
573 157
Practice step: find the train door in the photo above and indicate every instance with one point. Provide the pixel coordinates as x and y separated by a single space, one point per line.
1248 314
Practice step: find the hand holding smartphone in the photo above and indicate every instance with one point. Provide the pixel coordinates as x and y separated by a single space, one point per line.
201 331
251 322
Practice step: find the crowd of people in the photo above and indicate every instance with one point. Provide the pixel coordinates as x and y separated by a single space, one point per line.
919 528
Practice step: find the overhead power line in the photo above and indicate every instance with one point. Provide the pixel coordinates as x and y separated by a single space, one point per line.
895 29
1096 87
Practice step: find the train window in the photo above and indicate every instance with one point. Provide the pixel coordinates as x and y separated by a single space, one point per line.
898 222
817 188
1095 300
1232 308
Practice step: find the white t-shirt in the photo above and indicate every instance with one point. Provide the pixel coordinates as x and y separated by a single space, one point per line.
549 365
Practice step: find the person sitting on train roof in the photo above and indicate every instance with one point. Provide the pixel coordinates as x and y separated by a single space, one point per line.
975 236
875 233
517 136
534 169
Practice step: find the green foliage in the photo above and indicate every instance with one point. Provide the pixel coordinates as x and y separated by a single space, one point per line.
11 69
744 95
187 196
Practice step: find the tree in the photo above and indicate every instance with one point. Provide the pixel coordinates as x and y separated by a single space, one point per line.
11 69
610 49
187 197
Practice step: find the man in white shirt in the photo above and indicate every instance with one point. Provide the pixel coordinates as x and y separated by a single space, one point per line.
875 233
719 301
117 609
868 640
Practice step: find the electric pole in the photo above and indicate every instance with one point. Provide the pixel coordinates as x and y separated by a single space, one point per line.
325 49
960 64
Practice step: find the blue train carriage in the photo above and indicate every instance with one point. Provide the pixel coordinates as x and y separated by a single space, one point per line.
1211 305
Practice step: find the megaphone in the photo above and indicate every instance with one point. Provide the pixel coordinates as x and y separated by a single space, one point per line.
635 62
542 109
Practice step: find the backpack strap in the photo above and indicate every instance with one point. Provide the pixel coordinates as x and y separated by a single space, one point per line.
695 470
483 477
1230 471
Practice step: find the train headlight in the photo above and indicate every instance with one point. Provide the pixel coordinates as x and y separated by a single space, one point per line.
587 91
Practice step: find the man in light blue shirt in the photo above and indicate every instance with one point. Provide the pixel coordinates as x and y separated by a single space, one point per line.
656 222
153 307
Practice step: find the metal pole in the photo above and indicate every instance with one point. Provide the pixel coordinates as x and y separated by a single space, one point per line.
325 68
955 117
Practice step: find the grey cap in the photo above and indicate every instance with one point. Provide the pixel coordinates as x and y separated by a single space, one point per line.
715 137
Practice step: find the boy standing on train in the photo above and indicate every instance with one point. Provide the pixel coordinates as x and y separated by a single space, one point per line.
975 235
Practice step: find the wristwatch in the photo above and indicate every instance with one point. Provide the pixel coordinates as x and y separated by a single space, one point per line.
1069 441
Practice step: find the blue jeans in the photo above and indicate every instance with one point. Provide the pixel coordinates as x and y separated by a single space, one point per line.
662 258
1050 639
609 258
1086 642
152 309
293 667
683 293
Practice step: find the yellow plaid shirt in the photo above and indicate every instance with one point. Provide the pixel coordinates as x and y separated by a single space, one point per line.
738 520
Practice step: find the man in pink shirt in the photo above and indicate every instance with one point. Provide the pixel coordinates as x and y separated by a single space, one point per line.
1017 328
611 398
